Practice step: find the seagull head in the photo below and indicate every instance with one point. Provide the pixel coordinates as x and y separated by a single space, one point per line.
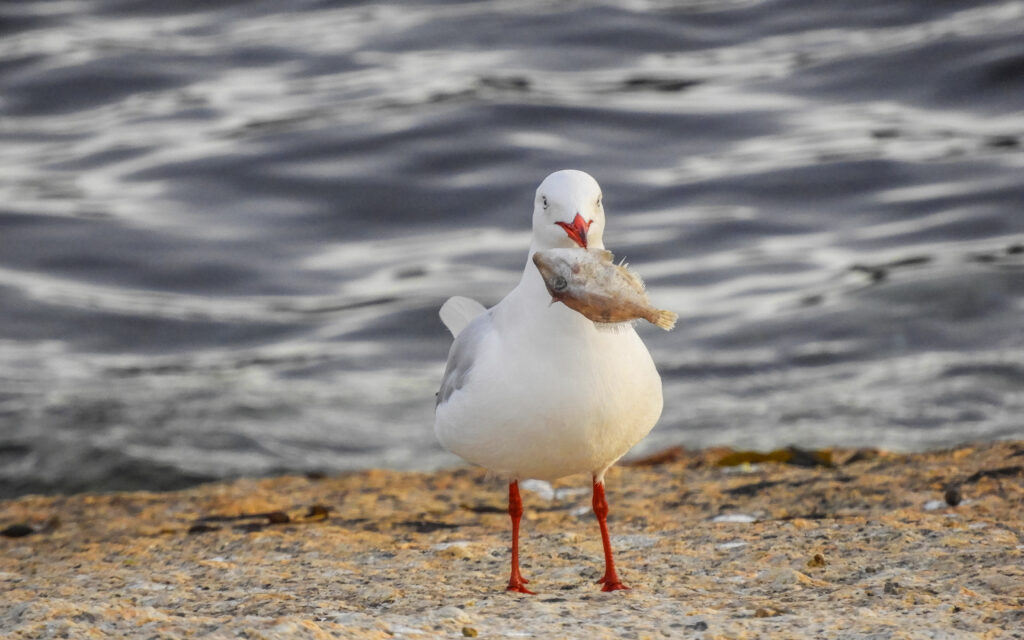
568 212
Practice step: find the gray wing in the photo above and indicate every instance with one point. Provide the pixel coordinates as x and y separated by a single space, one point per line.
462 356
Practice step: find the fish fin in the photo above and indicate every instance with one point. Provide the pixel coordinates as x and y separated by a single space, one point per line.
633 279
613 327
666 319
459 311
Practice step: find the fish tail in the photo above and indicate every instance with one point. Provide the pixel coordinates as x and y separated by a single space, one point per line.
665 319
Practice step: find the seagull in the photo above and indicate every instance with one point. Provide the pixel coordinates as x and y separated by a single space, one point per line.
534 390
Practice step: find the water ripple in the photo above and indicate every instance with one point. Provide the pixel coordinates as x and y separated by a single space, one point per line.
226 228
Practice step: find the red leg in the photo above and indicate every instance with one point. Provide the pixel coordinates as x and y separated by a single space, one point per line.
516 581
611 578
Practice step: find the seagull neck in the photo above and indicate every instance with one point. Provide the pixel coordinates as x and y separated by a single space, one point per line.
530 302
528 314
531 285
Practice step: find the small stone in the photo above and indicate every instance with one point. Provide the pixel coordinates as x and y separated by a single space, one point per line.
452 612
460 549
953 495
891 588
469 632
817 561
741 518
378 595
541 487
53 523
318 511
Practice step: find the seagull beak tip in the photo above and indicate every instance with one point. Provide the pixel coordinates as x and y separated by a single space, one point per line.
577 230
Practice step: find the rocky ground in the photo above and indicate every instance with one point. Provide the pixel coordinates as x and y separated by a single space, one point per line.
716 544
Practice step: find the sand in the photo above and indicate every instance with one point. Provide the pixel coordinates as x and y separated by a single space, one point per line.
857 544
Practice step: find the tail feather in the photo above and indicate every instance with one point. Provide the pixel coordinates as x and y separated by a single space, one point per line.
665 319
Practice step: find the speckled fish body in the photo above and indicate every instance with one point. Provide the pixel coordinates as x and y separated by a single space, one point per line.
588 281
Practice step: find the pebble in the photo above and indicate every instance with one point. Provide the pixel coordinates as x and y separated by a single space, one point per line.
539 487
734 517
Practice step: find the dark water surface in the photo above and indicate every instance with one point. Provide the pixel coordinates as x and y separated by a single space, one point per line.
225 228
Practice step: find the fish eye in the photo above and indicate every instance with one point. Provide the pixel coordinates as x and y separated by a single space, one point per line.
544 201
559 284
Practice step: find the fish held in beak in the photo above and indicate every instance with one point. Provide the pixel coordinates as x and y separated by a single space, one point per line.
590 283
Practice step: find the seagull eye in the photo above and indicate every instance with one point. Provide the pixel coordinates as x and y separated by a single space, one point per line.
559 284
544 201
599 202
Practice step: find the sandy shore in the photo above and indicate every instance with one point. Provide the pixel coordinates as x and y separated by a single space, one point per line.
869 547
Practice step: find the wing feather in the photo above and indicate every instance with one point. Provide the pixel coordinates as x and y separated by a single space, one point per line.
462 356
459 311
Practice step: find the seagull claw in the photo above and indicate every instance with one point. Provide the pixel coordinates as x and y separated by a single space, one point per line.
519 586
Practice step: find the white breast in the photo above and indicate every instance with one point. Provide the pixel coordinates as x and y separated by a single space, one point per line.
536 391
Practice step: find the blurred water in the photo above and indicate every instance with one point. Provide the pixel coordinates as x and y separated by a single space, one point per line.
225 228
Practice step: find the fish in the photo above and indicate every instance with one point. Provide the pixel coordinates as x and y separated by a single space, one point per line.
589 282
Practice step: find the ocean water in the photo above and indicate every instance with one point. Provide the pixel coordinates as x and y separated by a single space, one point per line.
226 228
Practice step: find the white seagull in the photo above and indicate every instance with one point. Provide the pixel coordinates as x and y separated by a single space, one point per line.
534 389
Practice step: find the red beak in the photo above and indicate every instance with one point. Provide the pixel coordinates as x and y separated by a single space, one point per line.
577 230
